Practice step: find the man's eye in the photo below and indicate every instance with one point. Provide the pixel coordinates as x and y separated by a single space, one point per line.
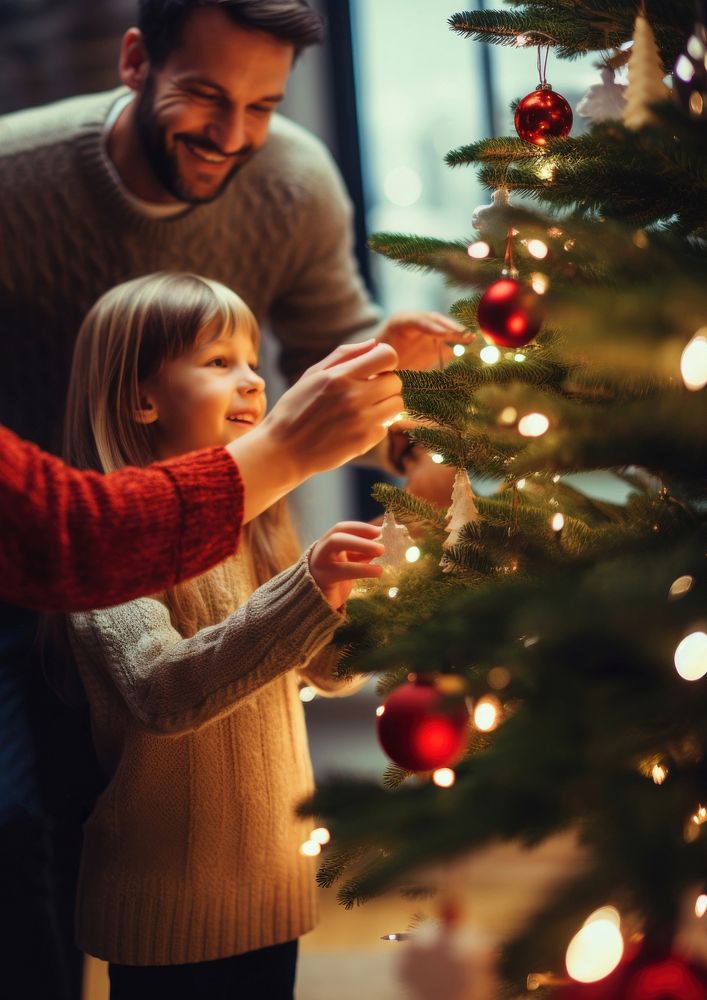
203 95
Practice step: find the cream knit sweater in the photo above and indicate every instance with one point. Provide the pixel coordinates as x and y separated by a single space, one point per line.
192 851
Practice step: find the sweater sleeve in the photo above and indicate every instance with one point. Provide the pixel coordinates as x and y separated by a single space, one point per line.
174 685
71 540
320 674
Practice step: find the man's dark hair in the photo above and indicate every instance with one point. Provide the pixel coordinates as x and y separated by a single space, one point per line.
294 21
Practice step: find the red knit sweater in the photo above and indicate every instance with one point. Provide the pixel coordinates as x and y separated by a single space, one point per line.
73 540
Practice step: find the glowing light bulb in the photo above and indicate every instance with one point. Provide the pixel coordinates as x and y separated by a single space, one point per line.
556 478
659 774
681 586
546 170
392 592
521 484
594 951
522 41
537 248
486 714
479 250
307 694
490 355
691 656
508 415
693 363
700 906
380 711
444 777
459 350
539 282
310 849
533 425
413 554
519 357
557 522
437 459
609 913
320 836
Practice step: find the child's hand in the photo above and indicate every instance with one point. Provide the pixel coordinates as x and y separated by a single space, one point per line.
343 555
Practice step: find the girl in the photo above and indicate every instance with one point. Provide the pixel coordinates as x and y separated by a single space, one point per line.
192 884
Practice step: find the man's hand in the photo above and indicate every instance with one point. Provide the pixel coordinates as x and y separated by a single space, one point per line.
343 555
421 339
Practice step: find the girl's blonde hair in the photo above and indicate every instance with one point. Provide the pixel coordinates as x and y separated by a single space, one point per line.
125 338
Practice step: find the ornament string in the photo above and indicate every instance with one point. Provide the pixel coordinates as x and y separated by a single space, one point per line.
542 63
509 268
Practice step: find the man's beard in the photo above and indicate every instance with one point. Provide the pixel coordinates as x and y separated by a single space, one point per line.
162 161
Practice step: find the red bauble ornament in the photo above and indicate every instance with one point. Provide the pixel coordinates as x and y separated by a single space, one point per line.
422 728
640 977
543 114
509 313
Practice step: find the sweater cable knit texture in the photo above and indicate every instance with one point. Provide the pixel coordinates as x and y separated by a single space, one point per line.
192 851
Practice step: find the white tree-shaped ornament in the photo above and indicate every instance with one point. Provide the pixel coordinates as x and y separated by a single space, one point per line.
645 77
397 540
605 100
462 511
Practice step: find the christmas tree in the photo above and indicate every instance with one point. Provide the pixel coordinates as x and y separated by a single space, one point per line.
578 625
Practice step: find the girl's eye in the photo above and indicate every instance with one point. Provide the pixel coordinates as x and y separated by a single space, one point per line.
218 363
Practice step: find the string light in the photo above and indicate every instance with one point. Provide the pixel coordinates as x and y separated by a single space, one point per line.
557 522
539 282
556 478
521 484
533 425
490 355
479 250
412 554
459 350
691 656
569 245
320 836
681 586
659 773
396 937
537 248
437 458
444 777
597 948
693 363
392 592
307 694
519 358
700 906
508 415
486 714
546 170
310 849
380 711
